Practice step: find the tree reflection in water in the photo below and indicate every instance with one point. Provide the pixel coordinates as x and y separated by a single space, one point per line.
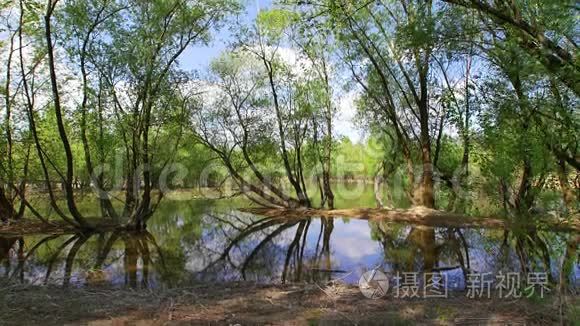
8 245
48 252
299 264
237 246
445 250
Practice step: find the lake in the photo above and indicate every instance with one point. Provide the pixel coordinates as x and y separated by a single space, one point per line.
200 241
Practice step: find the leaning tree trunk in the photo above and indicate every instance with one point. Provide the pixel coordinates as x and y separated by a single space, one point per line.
29 103
71 204
300 193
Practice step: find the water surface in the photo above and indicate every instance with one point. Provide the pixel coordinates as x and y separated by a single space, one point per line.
189 242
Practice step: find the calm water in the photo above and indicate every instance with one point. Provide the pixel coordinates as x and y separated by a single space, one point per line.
198 241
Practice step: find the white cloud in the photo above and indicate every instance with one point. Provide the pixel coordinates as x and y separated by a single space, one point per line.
299 64
344 121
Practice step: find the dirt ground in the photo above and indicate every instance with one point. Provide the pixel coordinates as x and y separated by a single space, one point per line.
245 304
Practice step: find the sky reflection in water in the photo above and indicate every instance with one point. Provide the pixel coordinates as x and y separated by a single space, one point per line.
207 245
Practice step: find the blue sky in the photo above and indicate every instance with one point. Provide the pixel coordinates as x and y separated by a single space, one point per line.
199 57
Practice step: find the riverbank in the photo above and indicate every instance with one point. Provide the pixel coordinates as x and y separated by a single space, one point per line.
243 303
27 226
422 216
416 215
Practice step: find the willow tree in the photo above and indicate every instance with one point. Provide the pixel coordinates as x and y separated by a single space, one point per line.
125 55
7 162
393 75
529 115
316 45
537 38
15 145
263 118
544 30
235 123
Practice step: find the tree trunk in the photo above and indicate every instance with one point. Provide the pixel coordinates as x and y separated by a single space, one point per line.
8 118
302 198
465 159
69 193
29 97
567 193
288 201
378 181
329 195
525 196
426 195
104 201
6 210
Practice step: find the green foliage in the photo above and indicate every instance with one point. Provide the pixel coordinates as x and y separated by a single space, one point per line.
273 23
488 93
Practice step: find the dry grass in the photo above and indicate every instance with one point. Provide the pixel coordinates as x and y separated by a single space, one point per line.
30 226
242 303
39 305
27 226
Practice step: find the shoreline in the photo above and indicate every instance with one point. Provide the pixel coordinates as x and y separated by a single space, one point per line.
416 216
